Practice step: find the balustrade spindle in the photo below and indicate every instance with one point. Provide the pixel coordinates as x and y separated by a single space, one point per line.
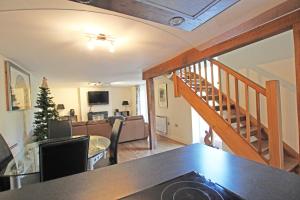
195 78
212 86
185 76
228 98
220 92
206 83
258 122
247 113
237 106
180 70
200 79
190 75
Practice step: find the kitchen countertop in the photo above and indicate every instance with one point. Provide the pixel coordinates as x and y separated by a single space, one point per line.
251 180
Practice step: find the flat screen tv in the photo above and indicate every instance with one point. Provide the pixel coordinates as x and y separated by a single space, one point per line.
98 97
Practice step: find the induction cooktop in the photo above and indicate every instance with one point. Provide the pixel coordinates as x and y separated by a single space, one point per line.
191 186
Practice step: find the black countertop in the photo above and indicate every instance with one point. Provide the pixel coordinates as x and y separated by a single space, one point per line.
251 180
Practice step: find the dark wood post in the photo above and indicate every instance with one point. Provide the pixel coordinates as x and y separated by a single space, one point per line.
151 112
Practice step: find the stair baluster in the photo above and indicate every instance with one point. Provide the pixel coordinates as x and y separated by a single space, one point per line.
258 123
220 92
180 72
228 111
213 86
247 113
190 76
237 105
185 75
195 78
206 82
200 79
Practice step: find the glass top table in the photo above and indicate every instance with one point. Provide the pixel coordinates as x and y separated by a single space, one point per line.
27 161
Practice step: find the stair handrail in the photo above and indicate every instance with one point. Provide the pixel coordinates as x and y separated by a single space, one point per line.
239 76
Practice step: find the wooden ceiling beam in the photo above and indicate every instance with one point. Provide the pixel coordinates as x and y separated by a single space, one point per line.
257 33
176 62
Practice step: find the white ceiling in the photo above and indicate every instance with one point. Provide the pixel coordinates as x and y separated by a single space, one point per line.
47 38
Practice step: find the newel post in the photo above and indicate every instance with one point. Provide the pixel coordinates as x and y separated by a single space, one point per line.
274 123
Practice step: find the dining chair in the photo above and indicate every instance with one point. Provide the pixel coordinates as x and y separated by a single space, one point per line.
111 120
5 157
63 157
59 129
113 148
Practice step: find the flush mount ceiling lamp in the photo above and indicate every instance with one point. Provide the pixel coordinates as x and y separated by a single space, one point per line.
101 40
176 21
84 1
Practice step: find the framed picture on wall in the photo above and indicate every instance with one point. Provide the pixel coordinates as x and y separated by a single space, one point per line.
163 95
18 87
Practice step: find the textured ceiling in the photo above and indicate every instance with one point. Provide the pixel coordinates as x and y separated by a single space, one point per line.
48 38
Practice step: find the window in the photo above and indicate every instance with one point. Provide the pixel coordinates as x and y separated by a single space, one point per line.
141 101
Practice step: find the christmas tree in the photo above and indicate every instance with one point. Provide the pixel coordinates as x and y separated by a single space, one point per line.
46 111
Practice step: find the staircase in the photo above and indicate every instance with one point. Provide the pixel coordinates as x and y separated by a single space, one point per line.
235 108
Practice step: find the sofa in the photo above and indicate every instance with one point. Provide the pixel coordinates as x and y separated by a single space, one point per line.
134 128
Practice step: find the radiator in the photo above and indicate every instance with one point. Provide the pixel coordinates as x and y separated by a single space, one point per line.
161 124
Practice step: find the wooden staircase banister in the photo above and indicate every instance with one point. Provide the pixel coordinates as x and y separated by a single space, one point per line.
240 77
224 130
201 84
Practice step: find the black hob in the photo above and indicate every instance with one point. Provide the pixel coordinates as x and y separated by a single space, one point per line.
191 186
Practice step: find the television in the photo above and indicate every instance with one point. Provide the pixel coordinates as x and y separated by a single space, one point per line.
98 97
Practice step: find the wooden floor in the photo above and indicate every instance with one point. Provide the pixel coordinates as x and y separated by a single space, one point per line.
138 149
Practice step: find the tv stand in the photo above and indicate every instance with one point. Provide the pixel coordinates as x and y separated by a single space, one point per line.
97 115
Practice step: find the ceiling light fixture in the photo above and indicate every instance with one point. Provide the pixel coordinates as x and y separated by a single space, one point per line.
84 1
176 21
95 84
101 40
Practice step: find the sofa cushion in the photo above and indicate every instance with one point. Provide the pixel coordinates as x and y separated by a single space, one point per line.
101 129
79 129
111 120
97 122
138 117
78 124
133 129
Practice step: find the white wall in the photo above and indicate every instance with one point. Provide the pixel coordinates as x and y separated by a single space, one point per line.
178 113
116 96
67 96
16 126
271 59
77 99
133 101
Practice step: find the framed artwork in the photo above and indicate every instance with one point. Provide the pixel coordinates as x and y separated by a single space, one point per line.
163 95
18 87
